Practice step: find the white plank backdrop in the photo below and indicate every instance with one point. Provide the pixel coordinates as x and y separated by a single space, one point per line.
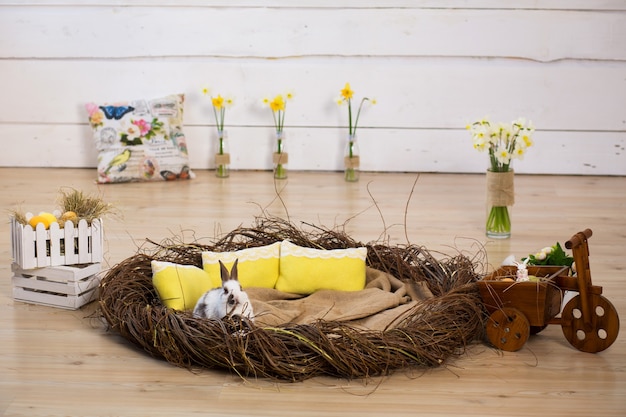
433 66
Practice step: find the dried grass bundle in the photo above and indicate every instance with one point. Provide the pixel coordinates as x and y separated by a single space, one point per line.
434 331
18 215
85 206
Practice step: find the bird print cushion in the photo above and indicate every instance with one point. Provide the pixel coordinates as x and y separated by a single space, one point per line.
140 140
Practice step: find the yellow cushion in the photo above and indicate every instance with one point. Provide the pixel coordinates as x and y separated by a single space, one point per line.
306 270
257 267
180 286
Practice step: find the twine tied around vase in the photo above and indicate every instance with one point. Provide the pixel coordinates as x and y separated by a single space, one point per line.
500 188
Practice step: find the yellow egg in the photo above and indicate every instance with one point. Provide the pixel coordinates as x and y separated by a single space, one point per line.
51 217
69 215
46 218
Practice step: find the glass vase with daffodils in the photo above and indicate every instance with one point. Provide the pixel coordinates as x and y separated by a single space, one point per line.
222 155
352 157
503 143
280 157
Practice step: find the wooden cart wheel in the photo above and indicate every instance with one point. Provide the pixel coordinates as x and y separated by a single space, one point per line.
508 329
603 325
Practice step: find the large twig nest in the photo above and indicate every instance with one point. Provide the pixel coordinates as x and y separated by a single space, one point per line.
436 330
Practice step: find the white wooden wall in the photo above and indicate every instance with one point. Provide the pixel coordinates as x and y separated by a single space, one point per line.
433 65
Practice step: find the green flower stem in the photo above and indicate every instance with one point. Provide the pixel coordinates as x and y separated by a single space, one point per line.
498 221
351 174
280 171
222 170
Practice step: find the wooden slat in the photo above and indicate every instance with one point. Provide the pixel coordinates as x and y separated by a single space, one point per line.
105 32
437 4
61 273
64 289
320 149
412 94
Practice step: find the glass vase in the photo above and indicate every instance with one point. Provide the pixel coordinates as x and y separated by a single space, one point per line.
352 160
500 199
222 156
280 157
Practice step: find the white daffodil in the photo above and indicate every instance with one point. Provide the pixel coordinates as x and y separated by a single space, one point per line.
503 141
479 143
519 152
503 156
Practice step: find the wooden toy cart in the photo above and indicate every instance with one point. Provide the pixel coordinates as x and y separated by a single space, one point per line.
589 321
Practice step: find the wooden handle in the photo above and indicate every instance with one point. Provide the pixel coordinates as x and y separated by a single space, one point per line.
577 239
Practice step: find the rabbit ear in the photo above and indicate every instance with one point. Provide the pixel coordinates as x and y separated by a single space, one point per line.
234 275
224 272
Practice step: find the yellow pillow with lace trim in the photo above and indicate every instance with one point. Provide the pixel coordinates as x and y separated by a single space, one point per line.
307 270
257 267
180 286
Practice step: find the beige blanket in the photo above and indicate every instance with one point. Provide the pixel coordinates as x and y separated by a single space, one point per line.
382 304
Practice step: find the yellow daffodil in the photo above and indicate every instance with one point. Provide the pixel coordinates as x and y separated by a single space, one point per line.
345 96
278 106
219 104
346 92
278 103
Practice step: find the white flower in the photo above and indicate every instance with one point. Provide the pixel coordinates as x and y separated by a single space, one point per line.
503 155
519 152
518 123
504 131
525 139
479 143
547 250
503 141
131 131
540 256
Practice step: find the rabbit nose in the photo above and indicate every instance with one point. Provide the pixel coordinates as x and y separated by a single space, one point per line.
231 300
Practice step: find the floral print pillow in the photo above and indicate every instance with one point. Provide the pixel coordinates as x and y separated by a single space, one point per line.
140 140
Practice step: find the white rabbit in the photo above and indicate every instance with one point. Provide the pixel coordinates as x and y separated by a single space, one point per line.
228 300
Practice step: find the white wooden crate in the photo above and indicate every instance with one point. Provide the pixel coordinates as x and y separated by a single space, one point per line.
66 286
70 245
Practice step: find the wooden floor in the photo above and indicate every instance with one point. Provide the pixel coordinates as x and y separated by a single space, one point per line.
56 362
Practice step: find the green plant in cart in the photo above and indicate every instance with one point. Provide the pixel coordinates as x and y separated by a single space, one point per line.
550 255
